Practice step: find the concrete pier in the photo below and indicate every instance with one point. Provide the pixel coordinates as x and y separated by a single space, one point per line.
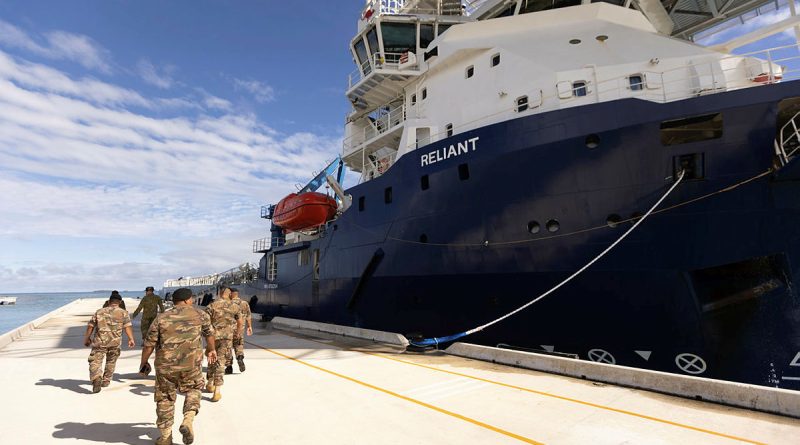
304 387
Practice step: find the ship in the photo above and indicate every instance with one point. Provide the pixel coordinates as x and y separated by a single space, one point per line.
589 152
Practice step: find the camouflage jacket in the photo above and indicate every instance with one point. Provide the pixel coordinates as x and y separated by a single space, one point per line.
175 335
150 306
108 324
245 313
224 316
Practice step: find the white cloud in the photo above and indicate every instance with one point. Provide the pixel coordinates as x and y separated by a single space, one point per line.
750 25
161 78
84 159
58 45
261 92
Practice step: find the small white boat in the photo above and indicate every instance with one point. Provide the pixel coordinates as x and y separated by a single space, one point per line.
6 301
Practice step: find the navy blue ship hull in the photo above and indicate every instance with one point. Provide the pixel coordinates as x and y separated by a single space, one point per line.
704 287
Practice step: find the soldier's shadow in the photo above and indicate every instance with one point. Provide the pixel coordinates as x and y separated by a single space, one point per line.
127 433
142 390
68 384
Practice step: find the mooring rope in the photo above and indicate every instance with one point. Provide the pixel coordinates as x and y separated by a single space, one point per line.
436 340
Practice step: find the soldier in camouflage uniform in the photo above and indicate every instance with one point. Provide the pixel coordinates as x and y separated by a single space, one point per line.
150 306
107 325
238 338
175 335
225 316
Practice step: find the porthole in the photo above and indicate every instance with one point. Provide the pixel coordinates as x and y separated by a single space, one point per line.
574 41
423 238
534 227
602 38
553 226
592 141
613 220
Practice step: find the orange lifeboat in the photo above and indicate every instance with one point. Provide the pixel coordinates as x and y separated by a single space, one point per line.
303 211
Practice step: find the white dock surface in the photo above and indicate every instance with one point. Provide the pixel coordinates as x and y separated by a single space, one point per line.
303 389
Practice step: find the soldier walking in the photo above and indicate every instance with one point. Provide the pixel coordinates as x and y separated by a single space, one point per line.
107 325
226 321
150 306
175 335
238 338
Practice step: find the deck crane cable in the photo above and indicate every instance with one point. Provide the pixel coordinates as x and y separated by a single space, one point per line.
436 340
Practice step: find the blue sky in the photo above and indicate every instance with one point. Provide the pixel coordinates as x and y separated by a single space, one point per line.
138 139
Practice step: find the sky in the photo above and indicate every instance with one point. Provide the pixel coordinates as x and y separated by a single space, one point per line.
139 138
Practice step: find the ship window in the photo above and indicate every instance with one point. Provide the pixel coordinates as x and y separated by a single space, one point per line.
470 71
424 182
413 99
302 258
529 6
636 82
463 172
372 39
387 195
495 60
522 104
399 37
363 58
691 129
424 93
553 226
579 88
361 204
449 129
533 227
426 35
443 28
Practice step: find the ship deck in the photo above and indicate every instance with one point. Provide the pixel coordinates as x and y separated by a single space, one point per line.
309 388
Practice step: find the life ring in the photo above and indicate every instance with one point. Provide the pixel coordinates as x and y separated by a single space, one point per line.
765 78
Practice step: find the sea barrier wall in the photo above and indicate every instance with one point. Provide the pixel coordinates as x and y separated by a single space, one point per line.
19 332
758 398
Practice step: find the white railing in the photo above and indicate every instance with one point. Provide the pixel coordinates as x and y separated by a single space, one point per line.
788 142
243 273
428 7
375 167
384 120
264 244
382 61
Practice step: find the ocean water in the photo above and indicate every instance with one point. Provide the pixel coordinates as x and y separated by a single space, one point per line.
32 306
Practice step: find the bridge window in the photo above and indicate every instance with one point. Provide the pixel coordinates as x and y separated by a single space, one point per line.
363 58
579 88
399 37
426 35
372 39
529 6
449 129
691 129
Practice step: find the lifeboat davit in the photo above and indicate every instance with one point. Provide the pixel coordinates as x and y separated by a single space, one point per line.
303 211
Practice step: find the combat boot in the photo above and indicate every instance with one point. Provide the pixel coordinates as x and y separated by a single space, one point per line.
106 383
229 369
240 361
186 428
217 395
166 437
210 386
96 385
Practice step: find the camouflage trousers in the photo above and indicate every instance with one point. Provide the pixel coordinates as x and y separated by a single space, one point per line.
238 350
168 384
146 322
96 363
217 370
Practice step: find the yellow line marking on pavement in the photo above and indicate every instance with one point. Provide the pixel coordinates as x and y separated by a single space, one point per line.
400 396
555 396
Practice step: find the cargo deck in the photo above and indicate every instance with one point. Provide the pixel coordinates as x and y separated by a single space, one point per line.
304 387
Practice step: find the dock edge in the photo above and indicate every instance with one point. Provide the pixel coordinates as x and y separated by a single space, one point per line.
16 334
346 331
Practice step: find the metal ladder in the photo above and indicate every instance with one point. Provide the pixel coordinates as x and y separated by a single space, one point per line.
787 143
